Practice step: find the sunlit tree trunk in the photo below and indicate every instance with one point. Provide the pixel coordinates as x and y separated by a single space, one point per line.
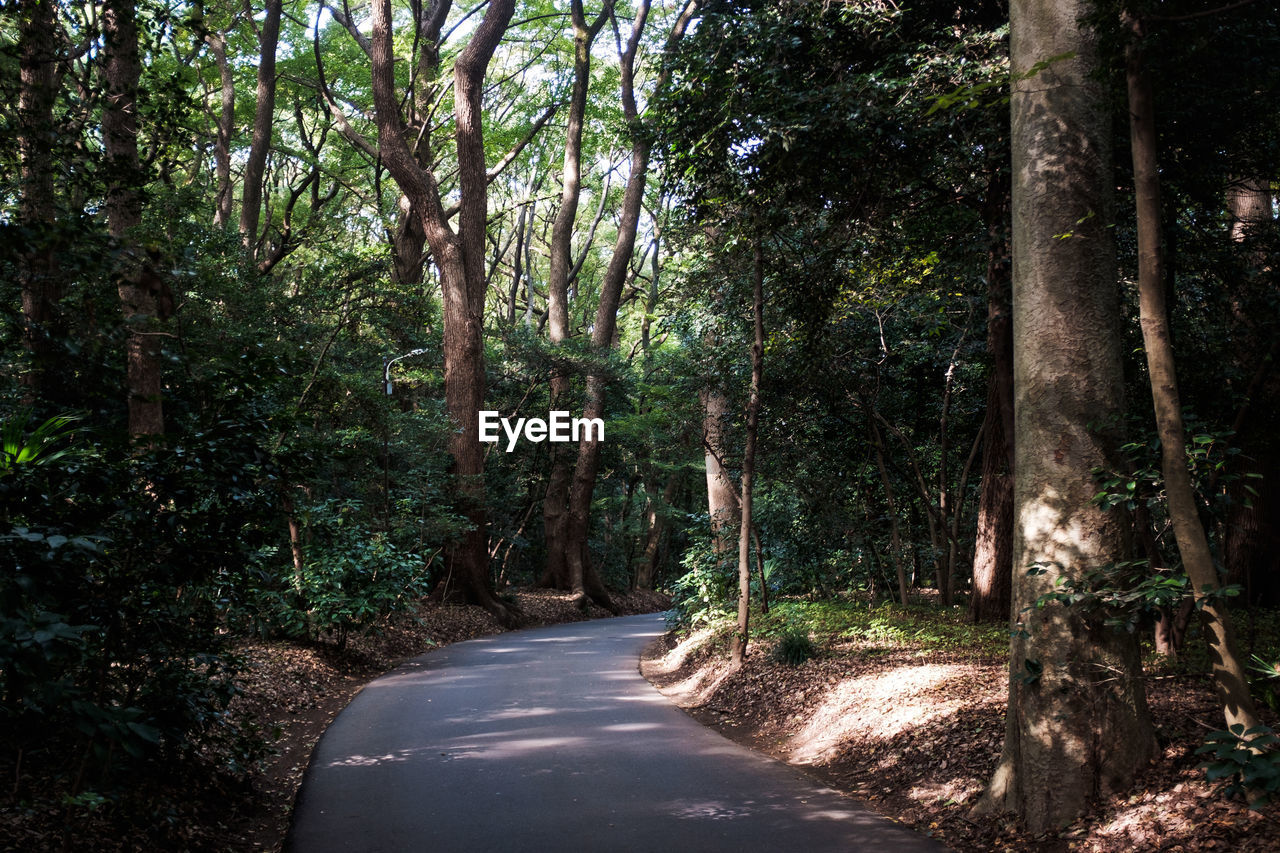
122 68
263 118
1077 724
738 648
225 127
1193 544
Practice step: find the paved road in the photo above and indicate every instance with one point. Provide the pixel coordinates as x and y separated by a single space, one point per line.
550 740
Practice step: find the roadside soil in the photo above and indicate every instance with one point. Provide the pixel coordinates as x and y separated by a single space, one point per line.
916 737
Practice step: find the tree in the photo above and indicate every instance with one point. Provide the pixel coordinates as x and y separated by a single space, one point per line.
1077 724
139 282
583 579
263 118
1184 514
556 503
460 257
41 289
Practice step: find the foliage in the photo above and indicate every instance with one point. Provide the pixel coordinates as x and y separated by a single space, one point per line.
794 647
708 590
1248 760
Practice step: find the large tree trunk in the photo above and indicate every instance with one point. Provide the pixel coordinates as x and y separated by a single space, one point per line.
260 146
39 277
1077 725
555 507
1251 542
1184 515
460 258
722 507
122 67
738 648
993 548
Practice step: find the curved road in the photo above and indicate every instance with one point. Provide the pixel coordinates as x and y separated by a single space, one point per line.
550 740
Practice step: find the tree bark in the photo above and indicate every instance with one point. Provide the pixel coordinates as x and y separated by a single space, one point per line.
738 648
39 277
722 507
1077 724
993 548
460 258
1193 544
122 68
226 126
1251 541
582 576
555 507
895 538
260 146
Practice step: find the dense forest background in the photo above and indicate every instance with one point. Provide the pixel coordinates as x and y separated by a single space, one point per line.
263 265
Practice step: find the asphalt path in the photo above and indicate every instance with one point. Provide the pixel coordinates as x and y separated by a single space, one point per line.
550 740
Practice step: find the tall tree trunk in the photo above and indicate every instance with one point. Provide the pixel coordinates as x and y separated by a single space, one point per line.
1193 545
650 559
39 276
722 507
1077 724
582 576
1251 541
460 258
555 507
255 166
226 126
895 538
738 648
993 548
144 375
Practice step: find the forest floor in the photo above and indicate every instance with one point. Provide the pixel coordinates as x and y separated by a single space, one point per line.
911 721
290 692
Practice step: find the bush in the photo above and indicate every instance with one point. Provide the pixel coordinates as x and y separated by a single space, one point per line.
794 647
1249 759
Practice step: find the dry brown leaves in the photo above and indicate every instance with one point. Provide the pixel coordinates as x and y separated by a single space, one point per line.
916 738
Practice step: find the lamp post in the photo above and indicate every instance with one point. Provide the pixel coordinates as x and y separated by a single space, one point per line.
386 438
386 367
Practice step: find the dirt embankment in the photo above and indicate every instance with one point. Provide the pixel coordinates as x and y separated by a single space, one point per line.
916 737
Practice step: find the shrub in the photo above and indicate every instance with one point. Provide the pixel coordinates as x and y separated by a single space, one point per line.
794 647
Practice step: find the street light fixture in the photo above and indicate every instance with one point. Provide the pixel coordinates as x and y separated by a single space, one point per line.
386 367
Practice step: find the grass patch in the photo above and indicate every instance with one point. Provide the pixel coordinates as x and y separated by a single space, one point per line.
923 628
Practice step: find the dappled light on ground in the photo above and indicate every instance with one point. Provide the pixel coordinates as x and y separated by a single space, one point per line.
891 702
918 739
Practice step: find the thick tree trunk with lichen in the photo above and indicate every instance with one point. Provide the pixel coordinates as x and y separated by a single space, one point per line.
1251 541
1077 725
